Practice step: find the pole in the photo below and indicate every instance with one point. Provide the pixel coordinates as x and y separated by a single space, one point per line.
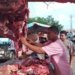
71 23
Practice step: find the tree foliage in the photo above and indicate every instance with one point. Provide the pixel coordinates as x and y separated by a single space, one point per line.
48 21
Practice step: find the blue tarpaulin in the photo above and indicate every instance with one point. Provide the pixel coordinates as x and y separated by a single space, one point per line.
36 27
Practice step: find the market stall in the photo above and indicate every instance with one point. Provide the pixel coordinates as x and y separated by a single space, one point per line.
13 24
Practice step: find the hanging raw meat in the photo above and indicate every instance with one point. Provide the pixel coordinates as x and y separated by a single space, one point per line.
13 18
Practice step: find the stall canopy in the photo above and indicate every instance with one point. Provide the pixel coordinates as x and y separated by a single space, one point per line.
62 1
36 27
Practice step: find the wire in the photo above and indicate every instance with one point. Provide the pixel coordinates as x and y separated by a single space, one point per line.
47 4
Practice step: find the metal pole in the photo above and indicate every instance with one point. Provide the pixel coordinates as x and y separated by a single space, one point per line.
71 23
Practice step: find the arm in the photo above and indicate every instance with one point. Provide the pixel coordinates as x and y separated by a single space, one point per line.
34 43
38 44
32 47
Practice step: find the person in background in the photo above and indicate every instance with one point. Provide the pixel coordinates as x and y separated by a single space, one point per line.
42 37
12 46
34 38
55 50
68 44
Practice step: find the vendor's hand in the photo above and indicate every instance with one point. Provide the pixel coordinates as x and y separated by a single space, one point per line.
30 41
23 39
